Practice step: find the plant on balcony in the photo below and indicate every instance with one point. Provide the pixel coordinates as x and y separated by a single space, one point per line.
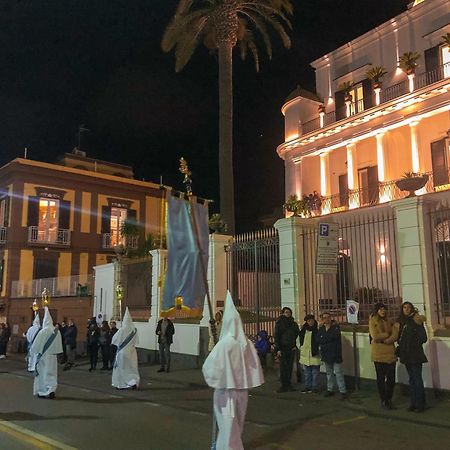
411 182
129 230
408 62
375 74
347 88
217 224
321 108
446 40
296 206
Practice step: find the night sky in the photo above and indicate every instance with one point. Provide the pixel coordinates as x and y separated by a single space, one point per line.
99 63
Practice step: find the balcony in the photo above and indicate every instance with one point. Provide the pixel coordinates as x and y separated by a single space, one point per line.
56 237
374 195
388 94
109 241
3 235
56 287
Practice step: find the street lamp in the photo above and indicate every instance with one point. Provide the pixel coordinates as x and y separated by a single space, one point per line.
45 298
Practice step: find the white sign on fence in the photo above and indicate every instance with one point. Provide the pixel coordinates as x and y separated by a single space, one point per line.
352 311
327 248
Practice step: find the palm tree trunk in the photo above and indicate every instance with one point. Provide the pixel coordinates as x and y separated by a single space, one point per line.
226 135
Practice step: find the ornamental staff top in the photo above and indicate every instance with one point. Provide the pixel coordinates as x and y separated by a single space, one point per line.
187 181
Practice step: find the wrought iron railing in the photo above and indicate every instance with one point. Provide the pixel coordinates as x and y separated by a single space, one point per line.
48 236
110 241
56 287
3 235
387 94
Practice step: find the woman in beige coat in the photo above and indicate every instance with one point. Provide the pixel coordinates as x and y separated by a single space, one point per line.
383 334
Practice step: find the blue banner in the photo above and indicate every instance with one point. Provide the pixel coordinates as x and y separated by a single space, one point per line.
184 273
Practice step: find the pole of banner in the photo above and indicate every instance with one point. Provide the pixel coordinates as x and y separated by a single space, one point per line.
184 169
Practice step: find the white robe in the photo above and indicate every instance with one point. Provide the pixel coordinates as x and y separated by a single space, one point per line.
125 369
231 369
31 335
46 368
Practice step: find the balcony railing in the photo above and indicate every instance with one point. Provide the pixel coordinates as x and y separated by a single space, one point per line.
380 193
110 241
3 235
56 236
390 93
72 286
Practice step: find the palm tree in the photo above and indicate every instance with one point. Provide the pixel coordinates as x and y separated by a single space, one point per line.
222 25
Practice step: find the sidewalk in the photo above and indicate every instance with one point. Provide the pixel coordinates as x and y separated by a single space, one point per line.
364 402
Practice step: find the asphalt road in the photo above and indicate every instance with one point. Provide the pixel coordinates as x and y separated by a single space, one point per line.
172 411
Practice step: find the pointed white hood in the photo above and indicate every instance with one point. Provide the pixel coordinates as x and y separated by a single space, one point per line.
233 363
44 335
127 327
34 329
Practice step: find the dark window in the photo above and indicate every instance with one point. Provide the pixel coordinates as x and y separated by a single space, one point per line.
343 190
64 214
33 211
45 268
368 93
368 185
339 100
439 159
432 58
106 219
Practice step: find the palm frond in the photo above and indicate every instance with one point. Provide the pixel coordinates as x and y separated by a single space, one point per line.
261 27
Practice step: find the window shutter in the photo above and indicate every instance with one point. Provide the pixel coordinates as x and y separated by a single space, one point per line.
368 93
33 211
372 173
131 215
6 218
106 219
64 215
432 58
439 163
339 101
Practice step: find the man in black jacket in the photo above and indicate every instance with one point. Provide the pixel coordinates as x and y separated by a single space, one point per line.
70 342
286 333
165 331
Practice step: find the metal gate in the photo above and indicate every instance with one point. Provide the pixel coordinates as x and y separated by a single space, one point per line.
440 244
367 268
253 278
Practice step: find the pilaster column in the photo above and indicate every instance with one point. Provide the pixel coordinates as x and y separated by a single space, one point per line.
298 177
324 174
380 157
415 159
289 178
352 175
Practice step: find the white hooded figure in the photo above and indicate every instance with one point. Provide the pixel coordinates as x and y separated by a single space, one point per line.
31 335
46 346
125 369
231 369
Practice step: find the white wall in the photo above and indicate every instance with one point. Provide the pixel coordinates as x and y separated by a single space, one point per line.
104 290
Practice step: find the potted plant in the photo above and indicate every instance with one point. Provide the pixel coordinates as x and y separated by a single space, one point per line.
321 109
375 74
408 62
217 224
296 206
347 88
411 182
446 40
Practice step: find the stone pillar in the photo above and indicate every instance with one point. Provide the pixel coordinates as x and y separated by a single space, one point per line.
380 157
298 178
291 263
324 174
217 274
414 258
159 262
415 159
352 175
289 178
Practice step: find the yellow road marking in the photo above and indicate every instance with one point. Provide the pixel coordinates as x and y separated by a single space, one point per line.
30 437
353 419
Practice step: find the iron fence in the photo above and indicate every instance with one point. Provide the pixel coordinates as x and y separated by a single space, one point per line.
253 278
367 269
440 238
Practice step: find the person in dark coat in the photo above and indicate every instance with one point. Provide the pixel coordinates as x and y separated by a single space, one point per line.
309 354
4 339
165 331
286 334
105 343
112 347
329 339
412 336
63 330
70 343
93 342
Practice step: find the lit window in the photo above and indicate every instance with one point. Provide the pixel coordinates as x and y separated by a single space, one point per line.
358 99
445 56
2 212
118 216
48 220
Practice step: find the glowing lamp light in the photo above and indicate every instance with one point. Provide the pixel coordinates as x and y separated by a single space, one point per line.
35 306
45 298
382 250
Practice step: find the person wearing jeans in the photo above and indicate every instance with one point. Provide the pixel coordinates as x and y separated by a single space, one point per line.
412 336
309 354
383 333
329 339
165 331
